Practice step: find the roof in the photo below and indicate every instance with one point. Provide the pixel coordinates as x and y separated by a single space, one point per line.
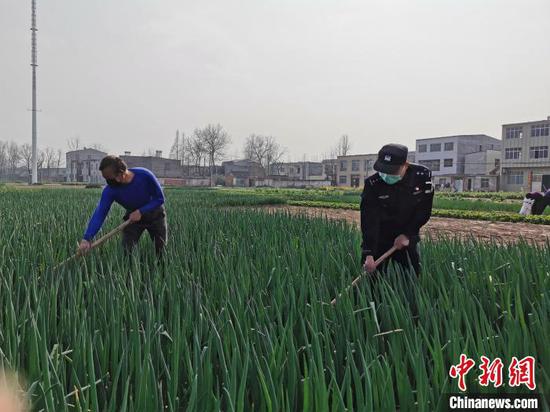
241 161
529 122
130 157
457 136
85 149
357 155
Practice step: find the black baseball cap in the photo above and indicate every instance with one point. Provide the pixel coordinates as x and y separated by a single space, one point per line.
390 158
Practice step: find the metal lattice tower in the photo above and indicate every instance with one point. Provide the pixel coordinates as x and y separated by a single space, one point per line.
34 64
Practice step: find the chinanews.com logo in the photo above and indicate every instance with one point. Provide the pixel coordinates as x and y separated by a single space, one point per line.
517 373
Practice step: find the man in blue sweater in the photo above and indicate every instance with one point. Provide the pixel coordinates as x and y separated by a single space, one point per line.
139 192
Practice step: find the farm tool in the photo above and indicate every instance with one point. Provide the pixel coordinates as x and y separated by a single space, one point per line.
98 242
358 278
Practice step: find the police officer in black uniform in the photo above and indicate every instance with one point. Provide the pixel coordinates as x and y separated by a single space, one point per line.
396 202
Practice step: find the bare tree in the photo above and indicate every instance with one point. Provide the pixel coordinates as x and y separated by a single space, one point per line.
59 158
41 158
3 157
264 150
40 161
14 156
178 150
274 153
73 143
344 146
149 152
49 155
197 151
26 156
215 140
98 146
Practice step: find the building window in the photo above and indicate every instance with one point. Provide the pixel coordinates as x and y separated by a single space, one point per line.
433 165
538 152
449 147
484 183
343 180
515 178
512 153
355 165
316 170
497 163
366 165
435 147
540 130
514 133
448 163
422 148
343 165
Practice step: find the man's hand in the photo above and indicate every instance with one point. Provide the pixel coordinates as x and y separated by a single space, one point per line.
401 242
84 247
135 216
369 265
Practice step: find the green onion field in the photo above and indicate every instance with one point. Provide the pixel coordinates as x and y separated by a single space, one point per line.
238 316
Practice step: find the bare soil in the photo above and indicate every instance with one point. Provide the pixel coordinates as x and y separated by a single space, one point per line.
437 227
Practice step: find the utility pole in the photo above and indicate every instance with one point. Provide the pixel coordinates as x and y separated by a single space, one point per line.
34 65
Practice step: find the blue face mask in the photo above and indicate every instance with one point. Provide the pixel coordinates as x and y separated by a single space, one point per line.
390 179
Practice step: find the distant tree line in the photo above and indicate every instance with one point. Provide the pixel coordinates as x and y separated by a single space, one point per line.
13 157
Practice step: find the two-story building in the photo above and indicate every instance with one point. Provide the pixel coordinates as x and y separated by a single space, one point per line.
352 170
83 166
242 173
330 168
482 171
160 166
525 157
299 170
446 156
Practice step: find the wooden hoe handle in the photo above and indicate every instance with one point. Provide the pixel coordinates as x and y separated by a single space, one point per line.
99 241
358 278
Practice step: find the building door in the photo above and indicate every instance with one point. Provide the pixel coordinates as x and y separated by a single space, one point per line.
355 180
545 182
469 187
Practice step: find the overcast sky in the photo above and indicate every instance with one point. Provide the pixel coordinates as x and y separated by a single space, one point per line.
126 74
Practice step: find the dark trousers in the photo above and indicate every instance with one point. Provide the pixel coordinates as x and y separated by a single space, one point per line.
540 204
407 258
154 223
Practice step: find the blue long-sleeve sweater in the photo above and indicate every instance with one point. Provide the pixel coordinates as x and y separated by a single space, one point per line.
143 193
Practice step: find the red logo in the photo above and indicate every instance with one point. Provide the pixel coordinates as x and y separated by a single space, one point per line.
492 372
461 370
520 372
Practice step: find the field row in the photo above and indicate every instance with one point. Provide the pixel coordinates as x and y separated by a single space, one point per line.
480 209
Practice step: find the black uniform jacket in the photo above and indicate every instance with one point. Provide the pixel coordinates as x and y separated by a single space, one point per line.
390 210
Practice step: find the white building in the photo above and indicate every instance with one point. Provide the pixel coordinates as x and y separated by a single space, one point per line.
446 156
299 170
352 170
83 166
525 157
482 171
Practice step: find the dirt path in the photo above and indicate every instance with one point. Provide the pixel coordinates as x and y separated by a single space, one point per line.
501 232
